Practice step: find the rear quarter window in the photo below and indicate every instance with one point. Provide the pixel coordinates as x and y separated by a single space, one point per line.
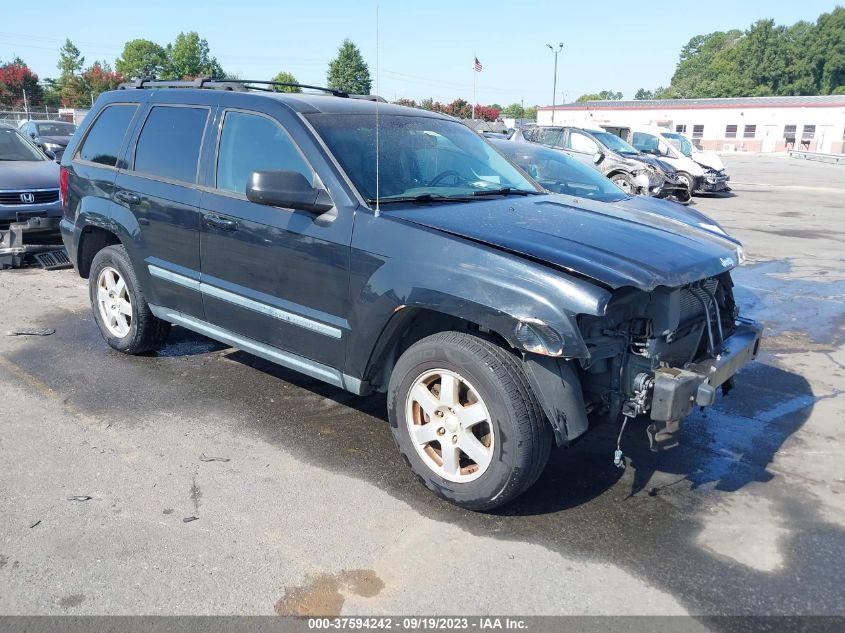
169 144
103 142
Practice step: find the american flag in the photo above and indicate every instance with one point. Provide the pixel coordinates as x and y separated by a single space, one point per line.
477 65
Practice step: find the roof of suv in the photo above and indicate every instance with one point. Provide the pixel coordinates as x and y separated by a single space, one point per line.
303 102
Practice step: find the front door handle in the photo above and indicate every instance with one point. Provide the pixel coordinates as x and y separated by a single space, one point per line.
127 197
218 222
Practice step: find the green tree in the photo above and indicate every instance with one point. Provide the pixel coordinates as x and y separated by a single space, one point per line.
16 79
141 58
287 78
644 95
530 113
512 111
593 96
189 57
610 95
70 60
348 71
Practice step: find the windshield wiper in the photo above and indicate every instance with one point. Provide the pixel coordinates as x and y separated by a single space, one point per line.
506 191
422 197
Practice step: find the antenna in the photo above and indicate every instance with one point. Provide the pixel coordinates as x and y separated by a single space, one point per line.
378 208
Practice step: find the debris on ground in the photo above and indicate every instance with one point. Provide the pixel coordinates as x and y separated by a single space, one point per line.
206 458
31 331
79 498
35 524
189 519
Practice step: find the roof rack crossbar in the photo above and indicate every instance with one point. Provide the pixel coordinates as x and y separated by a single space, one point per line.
215 83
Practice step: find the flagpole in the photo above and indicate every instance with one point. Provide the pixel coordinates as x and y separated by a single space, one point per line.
474 73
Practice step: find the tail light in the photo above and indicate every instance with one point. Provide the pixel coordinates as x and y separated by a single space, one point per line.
63 176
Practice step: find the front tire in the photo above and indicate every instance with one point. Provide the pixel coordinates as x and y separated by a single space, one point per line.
465 419
688 181
625 183
120 310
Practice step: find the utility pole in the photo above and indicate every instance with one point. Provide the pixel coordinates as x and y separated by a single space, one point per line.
25 104
554 84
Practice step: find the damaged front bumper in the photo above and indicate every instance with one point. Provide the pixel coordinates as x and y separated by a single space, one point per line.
676 391
713 181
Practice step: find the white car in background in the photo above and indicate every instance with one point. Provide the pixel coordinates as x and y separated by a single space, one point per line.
701 171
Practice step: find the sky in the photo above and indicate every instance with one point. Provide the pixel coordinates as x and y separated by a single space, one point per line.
425 47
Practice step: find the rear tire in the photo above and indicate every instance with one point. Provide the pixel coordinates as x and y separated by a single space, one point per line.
120 310
483 439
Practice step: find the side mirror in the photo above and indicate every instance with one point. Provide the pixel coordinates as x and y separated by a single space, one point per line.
288 189
32 135
598 157
49 154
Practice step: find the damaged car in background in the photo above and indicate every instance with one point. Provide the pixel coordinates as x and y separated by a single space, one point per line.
629 169
383 248
30 207
699 171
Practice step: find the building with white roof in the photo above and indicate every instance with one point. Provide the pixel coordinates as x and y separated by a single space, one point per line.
746 124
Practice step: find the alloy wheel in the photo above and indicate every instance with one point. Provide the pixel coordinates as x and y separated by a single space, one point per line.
114 302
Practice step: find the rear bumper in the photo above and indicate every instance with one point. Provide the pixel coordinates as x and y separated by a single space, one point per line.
677 391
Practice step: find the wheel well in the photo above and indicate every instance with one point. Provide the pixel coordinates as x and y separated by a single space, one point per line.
91 242
616 172
409 326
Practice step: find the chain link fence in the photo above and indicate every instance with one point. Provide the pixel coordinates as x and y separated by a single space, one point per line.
15 116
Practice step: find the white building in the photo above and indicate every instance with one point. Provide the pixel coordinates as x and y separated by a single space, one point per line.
749 124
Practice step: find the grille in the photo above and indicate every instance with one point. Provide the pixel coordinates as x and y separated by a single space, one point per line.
41 197
690 304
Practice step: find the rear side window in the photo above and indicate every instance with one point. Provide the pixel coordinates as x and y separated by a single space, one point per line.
103 141
169 144
249 143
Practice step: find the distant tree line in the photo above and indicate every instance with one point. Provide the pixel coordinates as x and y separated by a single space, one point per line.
807 58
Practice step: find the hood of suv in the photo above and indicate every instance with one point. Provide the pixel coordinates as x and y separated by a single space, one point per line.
638 242
20 175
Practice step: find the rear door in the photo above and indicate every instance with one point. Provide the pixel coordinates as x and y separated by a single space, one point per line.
274 275
157 194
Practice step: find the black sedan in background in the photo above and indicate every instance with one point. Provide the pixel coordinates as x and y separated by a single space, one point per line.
29 185
51 136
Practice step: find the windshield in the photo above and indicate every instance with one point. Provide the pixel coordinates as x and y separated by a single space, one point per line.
13 146
419 156
55 128
680 143
559 173
613 142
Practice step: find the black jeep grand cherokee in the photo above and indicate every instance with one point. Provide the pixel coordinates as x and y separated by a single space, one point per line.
380 247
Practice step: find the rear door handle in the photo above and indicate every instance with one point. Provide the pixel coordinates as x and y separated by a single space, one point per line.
217 222
127 197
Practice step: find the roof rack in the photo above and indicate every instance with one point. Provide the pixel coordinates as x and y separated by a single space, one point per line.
238 85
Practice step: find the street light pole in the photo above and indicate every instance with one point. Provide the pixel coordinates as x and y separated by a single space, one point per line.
554 85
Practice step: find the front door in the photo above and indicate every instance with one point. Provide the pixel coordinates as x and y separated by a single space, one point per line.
272 275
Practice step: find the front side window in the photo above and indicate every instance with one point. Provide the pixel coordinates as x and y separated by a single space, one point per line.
647 143
169 144
730 131
251 142
418 156
613 142
680 143
14 147
579 142
106 136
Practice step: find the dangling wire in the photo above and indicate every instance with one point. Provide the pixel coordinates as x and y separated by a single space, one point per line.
618 460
